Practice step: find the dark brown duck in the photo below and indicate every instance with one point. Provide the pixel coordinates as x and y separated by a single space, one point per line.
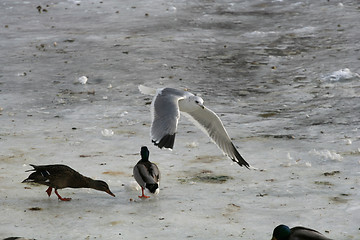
60 176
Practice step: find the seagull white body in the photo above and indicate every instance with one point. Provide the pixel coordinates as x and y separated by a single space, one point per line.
165 111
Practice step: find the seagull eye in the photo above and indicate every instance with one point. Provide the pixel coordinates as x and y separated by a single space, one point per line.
196 101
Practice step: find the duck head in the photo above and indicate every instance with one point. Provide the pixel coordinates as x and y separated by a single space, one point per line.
102 186
281 232
144 153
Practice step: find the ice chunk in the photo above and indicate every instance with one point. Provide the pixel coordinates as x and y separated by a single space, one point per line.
327 154
107 132
83 79
192 144
132 186
341 75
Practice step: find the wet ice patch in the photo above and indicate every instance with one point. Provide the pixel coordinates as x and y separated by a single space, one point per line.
341 75
327 154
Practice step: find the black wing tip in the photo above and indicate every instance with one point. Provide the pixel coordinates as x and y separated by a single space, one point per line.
239 159
167 141
242 163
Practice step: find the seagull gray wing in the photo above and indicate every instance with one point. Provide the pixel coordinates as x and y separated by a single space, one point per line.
211 124
165 116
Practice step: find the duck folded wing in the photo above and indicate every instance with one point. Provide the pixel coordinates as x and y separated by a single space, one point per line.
155 173
143 176
307 233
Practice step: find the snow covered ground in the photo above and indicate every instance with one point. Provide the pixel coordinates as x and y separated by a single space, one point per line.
282 75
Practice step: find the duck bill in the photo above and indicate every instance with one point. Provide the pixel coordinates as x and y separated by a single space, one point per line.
110 193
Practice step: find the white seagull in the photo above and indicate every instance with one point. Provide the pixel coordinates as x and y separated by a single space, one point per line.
165 113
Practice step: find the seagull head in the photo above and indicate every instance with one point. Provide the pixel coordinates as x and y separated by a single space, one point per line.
199 101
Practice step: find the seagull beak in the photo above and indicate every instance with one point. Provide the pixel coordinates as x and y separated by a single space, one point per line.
202 106
109 192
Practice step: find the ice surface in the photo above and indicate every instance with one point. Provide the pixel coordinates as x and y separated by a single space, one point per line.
259 64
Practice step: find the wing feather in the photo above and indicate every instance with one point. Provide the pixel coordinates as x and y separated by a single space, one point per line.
211 124
143 175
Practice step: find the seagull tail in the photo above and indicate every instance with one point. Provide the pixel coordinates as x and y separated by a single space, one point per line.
167 141
147 90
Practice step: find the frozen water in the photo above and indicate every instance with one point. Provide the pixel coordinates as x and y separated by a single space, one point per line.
259 64
342 74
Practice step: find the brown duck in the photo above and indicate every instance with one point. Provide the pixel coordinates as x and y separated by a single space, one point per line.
59 176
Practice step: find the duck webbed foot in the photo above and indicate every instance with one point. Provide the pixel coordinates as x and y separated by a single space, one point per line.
143 195
61 198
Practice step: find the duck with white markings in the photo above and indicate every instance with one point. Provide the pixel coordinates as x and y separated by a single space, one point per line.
147 174
165 111
283 232
60 176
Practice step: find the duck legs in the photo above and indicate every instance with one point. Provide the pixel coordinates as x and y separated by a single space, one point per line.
61 198
49 190
143 195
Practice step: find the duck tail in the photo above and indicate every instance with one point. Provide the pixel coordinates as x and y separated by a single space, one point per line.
152 187
27 180
34 168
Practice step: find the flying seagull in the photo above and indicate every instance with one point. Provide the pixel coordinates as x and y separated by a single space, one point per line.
165 111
